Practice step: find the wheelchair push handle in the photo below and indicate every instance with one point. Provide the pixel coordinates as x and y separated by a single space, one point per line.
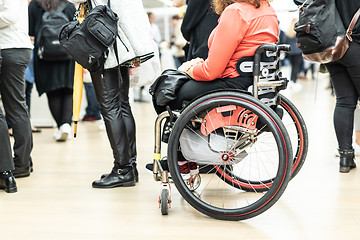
257 56
284 47
271 47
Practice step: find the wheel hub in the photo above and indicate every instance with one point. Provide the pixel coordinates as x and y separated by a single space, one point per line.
227 156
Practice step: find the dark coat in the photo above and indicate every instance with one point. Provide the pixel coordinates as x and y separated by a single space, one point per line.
347 9
198 22
50 76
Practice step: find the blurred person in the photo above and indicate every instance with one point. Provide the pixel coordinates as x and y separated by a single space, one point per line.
156 35
294 56
198 22
112 92
92 109
177 42
29 81
16 54
345 76
55 78
155 30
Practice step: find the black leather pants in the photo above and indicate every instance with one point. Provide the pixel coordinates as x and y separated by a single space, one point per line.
112 92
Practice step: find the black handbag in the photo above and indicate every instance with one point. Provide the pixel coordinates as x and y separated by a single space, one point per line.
88 42
164 89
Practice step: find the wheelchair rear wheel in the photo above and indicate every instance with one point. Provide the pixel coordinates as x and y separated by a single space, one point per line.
296 128
237 133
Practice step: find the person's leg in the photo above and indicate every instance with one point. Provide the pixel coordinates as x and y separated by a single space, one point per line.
55 102
110 89
345 75
346 98
13 68
92 109
127 113
6 161
296 63
193 89
60 104
28 89
66 106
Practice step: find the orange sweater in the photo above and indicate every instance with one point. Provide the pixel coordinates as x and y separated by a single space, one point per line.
242 28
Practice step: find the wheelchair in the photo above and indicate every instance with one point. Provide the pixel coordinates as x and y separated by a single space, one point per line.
241 142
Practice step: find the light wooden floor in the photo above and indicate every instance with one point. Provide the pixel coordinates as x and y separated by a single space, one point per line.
58 202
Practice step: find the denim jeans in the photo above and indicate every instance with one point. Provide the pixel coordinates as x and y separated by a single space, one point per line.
92 108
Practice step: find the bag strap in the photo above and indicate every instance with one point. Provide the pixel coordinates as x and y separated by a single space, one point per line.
352 25
117 35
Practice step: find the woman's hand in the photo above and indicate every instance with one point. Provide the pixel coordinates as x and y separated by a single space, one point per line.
188 66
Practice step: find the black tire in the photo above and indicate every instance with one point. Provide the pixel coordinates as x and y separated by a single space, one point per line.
219 197
164 201
296 128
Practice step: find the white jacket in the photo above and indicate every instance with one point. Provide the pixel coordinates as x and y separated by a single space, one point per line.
134 30
14 24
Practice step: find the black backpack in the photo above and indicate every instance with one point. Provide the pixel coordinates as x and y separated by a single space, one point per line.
47 39
319 26
88 42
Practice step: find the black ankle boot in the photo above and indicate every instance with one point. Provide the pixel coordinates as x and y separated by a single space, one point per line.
7 182
136 173
20 172
346 160
119 177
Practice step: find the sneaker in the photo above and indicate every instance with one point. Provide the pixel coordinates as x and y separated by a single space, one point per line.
62 134
184 169
194 168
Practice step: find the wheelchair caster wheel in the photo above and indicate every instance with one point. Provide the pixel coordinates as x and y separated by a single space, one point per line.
164 201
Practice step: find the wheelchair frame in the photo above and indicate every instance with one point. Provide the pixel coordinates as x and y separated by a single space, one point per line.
158 172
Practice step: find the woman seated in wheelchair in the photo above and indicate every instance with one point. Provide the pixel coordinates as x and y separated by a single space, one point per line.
243 26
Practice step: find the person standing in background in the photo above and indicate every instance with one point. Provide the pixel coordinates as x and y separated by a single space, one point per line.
177 42
294 56
155 30
7 180
16 54
198 22
111 86
55 78
156 35
92 109
345 76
